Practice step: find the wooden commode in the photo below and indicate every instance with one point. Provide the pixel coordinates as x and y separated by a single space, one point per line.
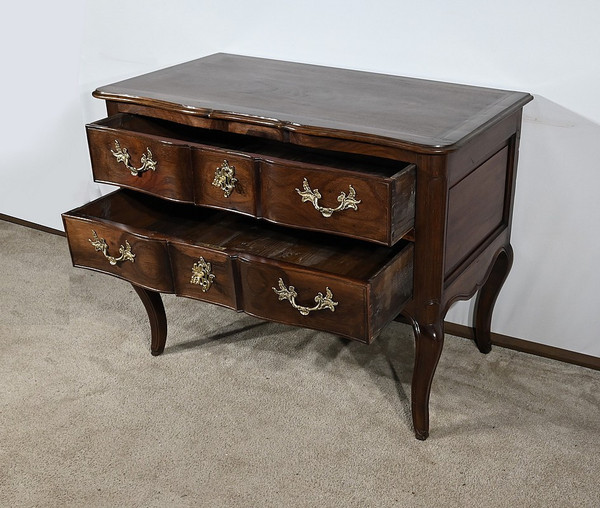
318 197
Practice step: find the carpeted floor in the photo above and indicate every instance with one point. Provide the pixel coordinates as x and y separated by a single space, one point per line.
238 412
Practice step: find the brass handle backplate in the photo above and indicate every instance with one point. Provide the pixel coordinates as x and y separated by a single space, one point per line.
345 202
123 155
225 178
101 246
289 294
201 275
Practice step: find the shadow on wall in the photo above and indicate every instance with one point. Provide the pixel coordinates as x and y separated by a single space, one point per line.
553 283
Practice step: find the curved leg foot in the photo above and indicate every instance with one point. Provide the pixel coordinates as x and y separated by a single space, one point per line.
158 319
486 299
429 340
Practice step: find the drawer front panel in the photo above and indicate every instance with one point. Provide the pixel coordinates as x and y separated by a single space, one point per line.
111 250
265 296
341 286
203 274
161 167
342 202
362 197
224 179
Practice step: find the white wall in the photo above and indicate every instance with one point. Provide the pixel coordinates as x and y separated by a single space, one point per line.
55 54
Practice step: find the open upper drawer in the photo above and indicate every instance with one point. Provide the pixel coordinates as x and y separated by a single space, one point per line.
343 286
362 197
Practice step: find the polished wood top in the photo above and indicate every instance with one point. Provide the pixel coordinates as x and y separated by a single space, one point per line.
322 101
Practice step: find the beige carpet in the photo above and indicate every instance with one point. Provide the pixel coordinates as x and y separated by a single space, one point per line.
238 412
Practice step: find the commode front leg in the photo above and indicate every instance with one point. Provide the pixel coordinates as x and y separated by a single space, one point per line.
429 340
158 319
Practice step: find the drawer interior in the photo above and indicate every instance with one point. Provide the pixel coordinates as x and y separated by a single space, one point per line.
238 235
260 147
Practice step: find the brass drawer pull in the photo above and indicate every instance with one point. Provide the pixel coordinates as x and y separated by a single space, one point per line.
201 275
313 196
123 155
101 246
289 294
225 178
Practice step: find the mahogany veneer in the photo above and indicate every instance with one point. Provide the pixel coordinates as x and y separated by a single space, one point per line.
380 196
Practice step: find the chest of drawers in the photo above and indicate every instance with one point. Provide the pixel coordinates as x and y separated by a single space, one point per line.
324 198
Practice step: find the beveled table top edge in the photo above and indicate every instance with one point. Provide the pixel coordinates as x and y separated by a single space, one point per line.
200 96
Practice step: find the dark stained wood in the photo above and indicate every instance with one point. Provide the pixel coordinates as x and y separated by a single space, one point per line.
428 349
172 178
340 128
476 208
402 210
382 300
160 220
157 317
426 116
150 268
247 260
426 312
181 117
466 280
244 196
268 174
383 215
479 149
348 319
112 108
222 291
486 298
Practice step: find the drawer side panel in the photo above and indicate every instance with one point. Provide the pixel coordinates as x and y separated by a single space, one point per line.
390 290
403 204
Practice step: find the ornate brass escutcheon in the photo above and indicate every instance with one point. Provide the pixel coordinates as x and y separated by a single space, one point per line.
100 245
123 155
201 275
289 294
345 202
225 178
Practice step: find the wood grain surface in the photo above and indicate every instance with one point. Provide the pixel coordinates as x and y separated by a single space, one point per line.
346 104
247 260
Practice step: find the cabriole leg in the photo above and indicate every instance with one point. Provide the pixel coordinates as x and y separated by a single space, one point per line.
429 340
158 319
486 299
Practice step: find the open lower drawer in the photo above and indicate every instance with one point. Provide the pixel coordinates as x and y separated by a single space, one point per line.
343 286
363 197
